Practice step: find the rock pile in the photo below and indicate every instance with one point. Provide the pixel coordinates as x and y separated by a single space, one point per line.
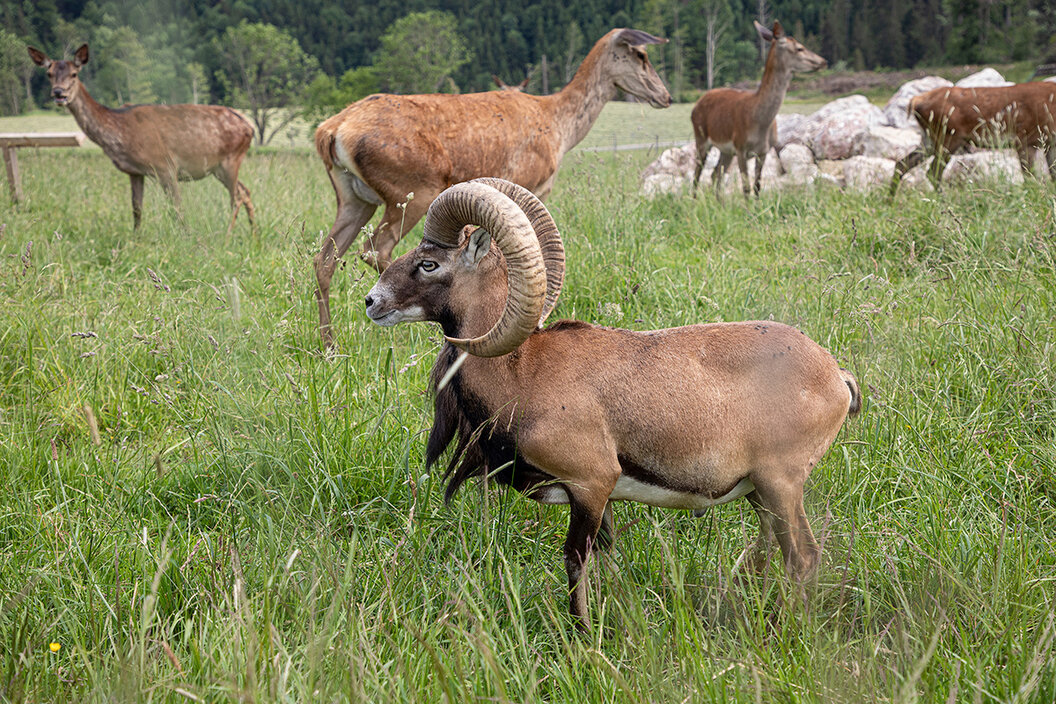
849 142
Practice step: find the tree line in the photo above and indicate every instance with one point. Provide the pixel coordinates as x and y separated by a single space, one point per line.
323 54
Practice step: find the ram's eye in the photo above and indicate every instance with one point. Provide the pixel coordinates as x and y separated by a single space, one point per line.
427 265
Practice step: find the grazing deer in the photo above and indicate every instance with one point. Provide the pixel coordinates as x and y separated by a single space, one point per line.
382 148
1022 116
169 142
740 122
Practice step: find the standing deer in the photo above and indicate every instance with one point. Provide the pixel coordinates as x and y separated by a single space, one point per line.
1022 116
740 122
383 148
169 142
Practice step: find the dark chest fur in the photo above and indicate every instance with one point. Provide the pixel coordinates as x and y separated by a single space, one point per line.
482 447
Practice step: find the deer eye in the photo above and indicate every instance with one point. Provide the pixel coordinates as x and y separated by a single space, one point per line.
427 265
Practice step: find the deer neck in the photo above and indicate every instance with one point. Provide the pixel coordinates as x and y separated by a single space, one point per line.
97 121
772 89
576 106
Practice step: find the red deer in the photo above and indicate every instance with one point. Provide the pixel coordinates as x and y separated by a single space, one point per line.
1022 116
584 415
169 142
740 122
382 148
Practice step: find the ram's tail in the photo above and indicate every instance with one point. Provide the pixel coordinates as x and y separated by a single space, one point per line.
856 393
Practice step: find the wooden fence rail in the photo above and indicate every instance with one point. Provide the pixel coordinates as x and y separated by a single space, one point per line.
10 142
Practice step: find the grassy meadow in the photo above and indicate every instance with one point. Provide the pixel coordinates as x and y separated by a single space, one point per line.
199 506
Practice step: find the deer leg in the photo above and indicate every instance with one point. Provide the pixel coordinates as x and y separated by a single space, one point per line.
229 178
137 199
243 194
702 157
719 173
227 174
938 166
395 223
1026 159
759 161
742 164
905 164
1050 158
352 214
168 182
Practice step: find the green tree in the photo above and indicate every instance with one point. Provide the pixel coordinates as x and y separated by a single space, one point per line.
122 66
326 97
265 71
420 52
16 69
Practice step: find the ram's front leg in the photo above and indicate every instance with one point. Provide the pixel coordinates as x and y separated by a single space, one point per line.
586 512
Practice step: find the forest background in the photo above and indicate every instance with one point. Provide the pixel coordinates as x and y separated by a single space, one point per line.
319 55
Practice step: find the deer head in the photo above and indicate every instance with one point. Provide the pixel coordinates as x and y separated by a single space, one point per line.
62 74
788 52
631 70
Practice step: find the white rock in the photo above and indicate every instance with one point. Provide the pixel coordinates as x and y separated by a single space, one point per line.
676 161
890 142
659 184
992 165
786 127
895 110
986 77
863 173
799 165
831 170
837 130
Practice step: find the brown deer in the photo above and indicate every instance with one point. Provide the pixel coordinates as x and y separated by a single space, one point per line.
741 122
169 142
1022 116
383 148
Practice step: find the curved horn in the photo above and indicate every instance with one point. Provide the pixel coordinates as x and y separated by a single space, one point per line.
545 230
480 204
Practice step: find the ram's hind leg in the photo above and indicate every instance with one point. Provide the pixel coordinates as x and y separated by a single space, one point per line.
780 503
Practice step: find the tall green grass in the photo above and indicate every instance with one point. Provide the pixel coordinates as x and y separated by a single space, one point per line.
256 523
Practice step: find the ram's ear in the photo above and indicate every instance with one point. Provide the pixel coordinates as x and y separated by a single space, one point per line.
478 245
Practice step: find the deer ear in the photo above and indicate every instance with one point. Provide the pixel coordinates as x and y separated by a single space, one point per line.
636 37
765 34
81 57
778 31
523 84
39 57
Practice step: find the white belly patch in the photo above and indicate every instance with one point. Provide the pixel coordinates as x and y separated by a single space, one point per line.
628 489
